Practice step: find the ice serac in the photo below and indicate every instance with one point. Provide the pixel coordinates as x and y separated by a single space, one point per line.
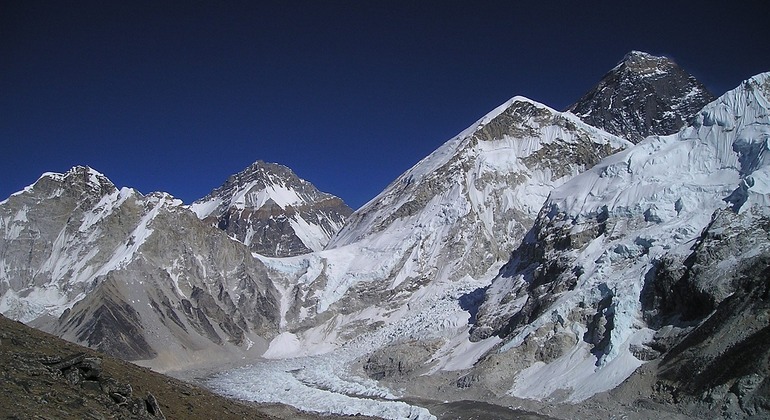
273 211
643 95
656 253
136 276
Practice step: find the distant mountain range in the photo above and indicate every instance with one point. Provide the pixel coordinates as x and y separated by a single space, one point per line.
618 247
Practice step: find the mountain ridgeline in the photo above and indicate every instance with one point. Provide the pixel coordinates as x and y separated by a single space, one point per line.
615 253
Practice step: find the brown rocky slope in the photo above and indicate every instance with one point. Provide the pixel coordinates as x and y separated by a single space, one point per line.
44 377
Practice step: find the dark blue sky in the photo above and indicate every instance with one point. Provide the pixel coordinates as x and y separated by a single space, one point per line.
349 94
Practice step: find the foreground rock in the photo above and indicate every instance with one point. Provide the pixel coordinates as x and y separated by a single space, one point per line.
46 377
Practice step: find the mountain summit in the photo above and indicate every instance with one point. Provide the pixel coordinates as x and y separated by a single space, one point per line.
273 211
643 95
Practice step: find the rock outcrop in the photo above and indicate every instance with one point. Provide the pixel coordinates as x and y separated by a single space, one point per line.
711 314
86 373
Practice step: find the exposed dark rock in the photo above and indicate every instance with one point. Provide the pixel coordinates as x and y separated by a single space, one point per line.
111 316
58 363
91 368
86 373
113 387
466 381
153 408
643 95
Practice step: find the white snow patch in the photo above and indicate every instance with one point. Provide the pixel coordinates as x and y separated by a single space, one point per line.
460 353
124 253
205 208
285 345
576 373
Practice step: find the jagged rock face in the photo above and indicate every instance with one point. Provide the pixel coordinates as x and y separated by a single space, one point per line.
139 277
274 212
29 230
610 261
710 309
443 227
643 95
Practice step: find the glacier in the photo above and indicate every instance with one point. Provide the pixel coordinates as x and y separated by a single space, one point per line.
439 233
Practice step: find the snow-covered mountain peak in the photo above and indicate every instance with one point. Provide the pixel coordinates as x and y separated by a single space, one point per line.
79 183
253 187
634 54
130 274
272 210
521 139
481 122
78 179
258 184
